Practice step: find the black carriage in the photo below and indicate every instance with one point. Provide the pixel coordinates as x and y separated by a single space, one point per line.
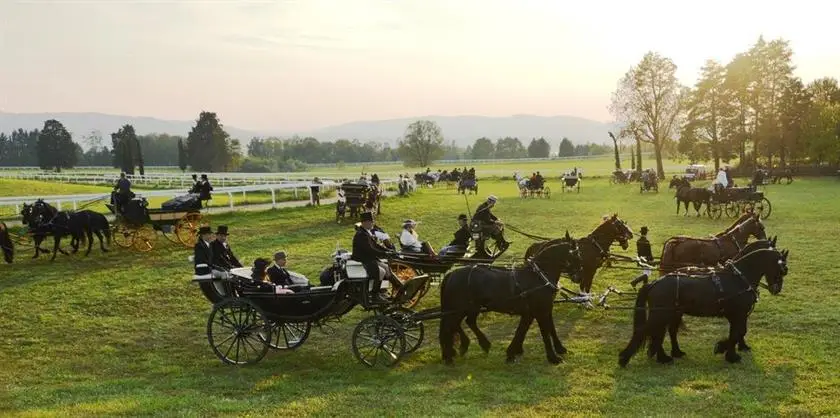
534 189
135 225
356 198
621 177
249 317
735 200
468 183
649 182
571 182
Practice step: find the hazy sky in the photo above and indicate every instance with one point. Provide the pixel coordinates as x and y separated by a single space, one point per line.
306 64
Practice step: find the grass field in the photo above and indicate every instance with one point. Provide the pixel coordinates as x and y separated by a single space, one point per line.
124 334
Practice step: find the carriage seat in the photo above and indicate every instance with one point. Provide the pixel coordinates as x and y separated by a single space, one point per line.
356 271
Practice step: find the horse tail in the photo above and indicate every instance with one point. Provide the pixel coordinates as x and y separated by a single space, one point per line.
639 337
6 244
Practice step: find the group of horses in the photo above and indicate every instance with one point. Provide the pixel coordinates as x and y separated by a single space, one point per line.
717 276
44 220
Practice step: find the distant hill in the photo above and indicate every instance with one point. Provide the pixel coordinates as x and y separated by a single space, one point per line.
464 130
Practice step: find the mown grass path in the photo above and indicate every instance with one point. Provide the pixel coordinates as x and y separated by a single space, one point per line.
124 333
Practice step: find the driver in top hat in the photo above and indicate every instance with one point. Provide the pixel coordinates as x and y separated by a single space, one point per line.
222 254
203 252
368 251
489 222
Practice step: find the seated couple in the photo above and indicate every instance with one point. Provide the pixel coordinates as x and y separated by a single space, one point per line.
410 241
278 275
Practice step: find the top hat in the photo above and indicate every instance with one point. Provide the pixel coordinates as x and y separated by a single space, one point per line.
643 230
205 230
222 230
367 216
491 198
462 217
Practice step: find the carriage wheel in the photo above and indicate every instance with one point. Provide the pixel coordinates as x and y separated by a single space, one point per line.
378 340
123 234
413 329
763 208
144 239
234 331
733 209
547 193
168 232
187 228
715 210
286 335
578 186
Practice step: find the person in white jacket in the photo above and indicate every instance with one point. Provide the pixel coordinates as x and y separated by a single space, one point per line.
410 241
721 181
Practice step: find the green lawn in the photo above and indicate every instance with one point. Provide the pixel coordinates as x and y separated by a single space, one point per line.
124 333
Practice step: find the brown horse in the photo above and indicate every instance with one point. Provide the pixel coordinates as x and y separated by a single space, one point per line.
685 251
595 247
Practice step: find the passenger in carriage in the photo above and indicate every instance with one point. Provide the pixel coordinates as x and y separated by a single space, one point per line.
122 192
409 241
277 273
462 239
222 254
489 222
721 181
368 251
539 179
203 252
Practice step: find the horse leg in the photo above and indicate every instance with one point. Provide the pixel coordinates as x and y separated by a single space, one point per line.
545 324
673 329
101 243
657 322
558 346
446 334
737 330
56 248
482 339
685 203
515 350
89 236
463 340
742 344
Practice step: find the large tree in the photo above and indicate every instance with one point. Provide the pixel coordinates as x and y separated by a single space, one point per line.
710 110
509 147
207 144
567 149
483 149
421 144
651 99
539 148
56 149
183 161
127 151
615 150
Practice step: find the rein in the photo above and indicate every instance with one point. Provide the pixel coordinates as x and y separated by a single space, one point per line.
525 234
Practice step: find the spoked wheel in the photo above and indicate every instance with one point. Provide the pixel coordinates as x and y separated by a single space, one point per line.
715 210
379 340
168 232
733 210
413 329
490 248
547 193
144 239
123 235
234 330
187 228
763 208
286 335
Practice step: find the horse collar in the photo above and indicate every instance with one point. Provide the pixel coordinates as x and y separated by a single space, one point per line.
604 253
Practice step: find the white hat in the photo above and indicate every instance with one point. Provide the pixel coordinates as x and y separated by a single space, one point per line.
411 222
492 198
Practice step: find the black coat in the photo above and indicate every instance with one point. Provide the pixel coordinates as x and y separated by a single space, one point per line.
462 237
366 249
202 254
279 276
223 256
483 214
204 190
643 249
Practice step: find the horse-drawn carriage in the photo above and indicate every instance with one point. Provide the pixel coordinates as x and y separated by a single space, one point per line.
736 200
649 181
534 188
571 181
357 197
695 172
178 220
468 183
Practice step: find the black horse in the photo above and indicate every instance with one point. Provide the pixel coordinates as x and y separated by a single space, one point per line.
687 194
730 292
6 244
35 217
44 220
525 291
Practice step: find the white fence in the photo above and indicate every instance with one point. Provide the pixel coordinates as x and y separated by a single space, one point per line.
301 191
167 179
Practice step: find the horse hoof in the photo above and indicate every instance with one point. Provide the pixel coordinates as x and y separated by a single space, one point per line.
561 351
663 359
744 347
733 357
623 360
677 353
555 360
719 347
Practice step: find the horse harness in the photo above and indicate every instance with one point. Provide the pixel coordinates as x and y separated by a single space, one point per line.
721 293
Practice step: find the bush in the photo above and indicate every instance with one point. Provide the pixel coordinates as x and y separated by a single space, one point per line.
255 165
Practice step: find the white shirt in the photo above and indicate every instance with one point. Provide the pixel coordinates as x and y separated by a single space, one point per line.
721 178
410 241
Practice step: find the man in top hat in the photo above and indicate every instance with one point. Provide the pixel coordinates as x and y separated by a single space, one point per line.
462 238
203 252
277 273
204 188
222 255
645 254
122 192
489 222
196 184
368 251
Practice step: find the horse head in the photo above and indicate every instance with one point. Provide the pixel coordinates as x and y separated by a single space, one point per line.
557 256
614 229
677 182
26 214
756 227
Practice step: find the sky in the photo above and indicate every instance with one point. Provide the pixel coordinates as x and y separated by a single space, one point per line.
297 65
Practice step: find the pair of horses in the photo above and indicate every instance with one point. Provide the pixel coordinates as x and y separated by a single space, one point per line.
526 291
686 194
44 220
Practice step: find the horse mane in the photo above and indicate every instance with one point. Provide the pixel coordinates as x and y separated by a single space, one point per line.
734 225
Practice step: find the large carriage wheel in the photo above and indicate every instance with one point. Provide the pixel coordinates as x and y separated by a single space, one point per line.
168 232
187 228
763 208
413 329
286 335
144 239
123 234
234 331
734 209
378 340
715 210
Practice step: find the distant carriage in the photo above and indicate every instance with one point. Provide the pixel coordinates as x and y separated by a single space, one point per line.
468 183
695 172
649 182
529 188
571 181
356 198
135 225
735 200
621 177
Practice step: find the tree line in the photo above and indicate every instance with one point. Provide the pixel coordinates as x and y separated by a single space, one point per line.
752 109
